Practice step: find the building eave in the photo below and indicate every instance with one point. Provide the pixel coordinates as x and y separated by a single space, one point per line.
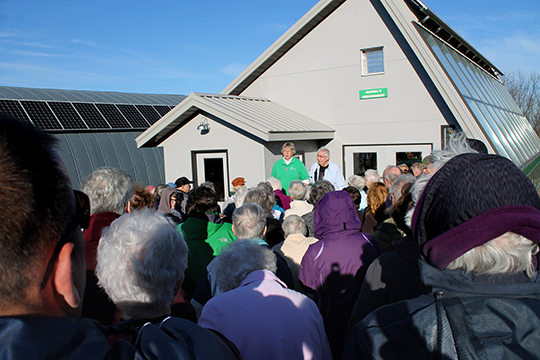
263 122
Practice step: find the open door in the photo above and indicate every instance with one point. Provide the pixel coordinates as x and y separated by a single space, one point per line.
212 166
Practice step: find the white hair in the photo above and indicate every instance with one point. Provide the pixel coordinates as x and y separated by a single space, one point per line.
324 150
249 221
294 224
398 184
357 181
372 175
140 262
109 190
507 254
275 182
240 196
241 258
297 190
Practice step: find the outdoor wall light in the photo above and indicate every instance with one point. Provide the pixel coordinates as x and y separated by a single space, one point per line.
204 127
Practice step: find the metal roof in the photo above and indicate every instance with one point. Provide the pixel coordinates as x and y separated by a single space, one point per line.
263 118
19 93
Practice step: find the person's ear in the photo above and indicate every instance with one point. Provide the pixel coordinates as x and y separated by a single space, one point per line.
264 231
63 278
233 230
128 207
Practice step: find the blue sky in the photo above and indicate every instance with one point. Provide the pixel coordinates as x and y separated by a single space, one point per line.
177 47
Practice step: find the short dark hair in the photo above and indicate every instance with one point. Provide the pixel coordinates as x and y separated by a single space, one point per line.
202 200
37 203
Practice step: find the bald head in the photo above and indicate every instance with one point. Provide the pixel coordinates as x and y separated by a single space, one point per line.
390 174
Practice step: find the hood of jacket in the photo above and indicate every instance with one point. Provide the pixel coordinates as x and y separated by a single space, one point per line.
335 215
165 201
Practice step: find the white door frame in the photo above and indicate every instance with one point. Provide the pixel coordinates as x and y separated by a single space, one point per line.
198 158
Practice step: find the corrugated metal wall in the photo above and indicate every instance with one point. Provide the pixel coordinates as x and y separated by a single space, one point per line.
83 153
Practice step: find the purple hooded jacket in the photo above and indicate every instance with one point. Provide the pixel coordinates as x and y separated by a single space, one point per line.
335 265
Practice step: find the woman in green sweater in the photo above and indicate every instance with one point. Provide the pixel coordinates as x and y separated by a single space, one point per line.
289 168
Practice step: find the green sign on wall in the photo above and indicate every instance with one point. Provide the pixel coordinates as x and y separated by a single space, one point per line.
373 93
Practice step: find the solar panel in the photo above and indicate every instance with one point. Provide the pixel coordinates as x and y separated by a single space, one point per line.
67 115
13 108
149 113
41 115
113 116
91 116
163 109
134 116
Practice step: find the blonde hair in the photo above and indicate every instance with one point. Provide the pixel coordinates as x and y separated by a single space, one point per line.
376 196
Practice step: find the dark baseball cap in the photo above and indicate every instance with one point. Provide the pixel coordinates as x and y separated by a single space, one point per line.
182 181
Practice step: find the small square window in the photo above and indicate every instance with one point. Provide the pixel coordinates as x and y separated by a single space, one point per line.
372 61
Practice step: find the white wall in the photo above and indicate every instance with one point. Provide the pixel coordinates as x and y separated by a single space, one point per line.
246 157
321 77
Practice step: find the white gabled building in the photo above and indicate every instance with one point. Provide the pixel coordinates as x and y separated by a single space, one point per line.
377 81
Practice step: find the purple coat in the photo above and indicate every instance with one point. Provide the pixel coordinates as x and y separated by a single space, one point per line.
335 265
285 199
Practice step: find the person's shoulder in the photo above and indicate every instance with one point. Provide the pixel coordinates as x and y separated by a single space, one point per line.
40 337
278 247
312 250
169 340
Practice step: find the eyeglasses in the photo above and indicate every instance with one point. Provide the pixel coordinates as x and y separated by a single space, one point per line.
81 218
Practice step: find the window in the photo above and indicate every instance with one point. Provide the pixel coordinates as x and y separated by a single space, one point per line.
363 162
408 157
372 61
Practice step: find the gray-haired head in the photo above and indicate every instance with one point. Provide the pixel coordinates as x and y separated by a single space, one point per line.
318 190
289 145
324 150
109 190
140 262
240 196
249 221
294 224
357 181
262 197
275 183
397 185
266 185
390 174
209 185
297 190
372 176
239 260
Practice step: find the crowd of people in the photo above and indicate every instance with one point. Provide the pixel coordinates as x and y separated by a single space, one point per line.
437 259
